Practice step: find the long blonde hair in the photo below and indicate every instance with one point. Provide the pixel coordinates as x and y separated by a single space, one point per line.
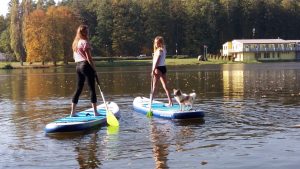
82 33
158 43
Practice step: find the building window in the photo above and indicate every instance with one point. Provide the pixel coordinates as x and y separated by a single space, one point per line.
282 46
246 48
266 55
257 55
272 46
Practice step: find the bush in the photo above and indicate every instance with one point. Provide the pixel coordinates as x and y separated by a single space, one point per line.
8 66
180 56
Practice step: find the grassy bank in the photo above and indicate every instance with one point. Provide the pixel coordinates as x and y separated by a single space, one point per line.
169 61
17 65
117 63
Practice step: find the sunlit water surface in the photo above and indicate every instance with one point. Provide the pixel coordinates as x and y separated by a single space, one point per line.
250 110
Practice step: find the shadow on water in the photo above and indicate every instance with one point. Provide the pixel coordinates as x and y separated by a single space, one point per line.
190 122
110 130
73 135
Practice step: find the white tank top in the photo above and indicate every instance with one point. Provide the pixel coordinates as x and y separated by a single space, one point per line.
159 57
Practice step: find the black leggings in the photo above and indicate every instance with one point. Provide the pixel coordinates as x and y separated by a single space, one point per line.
84 70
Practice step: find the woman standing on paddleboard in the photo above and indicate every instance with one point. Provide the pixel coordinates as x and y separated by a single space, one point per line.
85 68
159 68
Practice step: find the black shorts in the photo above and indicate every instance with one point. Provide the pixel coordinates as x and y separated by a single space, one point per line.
162 69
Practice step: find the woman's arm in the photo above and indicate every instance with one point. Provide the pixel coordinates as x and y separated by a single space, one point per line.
156 58
90 59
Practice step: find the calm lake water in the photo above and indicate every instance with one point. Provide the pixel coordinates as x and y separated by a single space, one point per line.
250 113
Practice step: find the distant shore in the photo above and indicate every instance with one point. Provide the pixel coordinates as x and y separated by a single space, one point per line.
118 62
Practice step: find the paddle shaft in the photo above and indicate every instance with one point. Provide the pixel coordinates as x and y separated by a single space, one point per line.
151 93
110 117
98 84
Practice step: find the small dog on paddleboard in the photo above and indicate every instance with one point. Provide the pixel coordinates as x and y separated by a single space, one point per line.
184 99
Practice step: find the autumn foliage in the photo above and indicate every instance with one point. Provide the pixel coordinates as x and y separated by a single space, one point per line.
49 34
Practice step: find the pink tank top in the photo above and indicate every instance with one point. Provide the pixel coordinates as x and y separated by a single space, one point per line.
82 47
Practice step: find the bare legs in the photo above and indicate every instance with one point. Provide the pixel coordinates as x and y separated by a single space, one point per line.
163 79
94 105
73 109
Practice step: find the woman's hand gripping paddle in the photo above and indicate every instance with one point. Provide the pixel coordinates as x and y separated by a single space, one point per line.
110 117
150 113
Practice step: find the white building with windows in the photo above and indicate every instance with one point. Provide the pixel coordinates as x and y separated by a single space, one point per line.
262 49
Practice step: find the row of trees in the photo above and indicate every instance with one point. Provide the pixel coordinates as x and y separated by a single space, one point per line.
48 35
37 31
43 32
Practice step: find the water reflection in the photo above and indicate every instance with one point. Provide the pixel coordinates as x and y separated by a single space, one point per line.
93 146
233 82
162 134
238 81
266 80
87 153
160 144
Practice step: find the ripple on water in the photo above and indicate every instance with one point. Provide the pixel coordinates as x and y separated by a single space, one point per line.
240 126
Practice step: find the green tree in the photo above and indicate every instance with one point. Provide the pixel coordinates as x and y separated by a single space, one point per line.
3 24
197 29
101 40
5 42
15 31
127 28
4 36
177 17
289 9
49 3
157 21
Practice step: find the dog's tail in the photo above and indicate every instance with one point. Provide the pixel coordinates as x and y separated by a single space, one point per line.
193 95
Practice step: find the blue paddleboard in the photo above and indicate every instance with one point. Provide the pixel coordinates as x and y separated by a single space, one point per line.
84 120
141 105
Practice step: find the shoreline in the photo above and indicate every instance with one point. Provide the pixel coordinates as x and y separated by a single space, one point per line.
120 63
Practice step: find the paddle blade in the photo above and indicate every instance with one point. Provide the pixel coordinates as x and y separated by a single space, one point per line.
111 119
112 130
149 113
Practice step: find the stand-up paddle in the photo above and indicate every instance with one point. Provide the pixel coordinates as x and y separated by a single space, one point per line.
110 117
150 113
